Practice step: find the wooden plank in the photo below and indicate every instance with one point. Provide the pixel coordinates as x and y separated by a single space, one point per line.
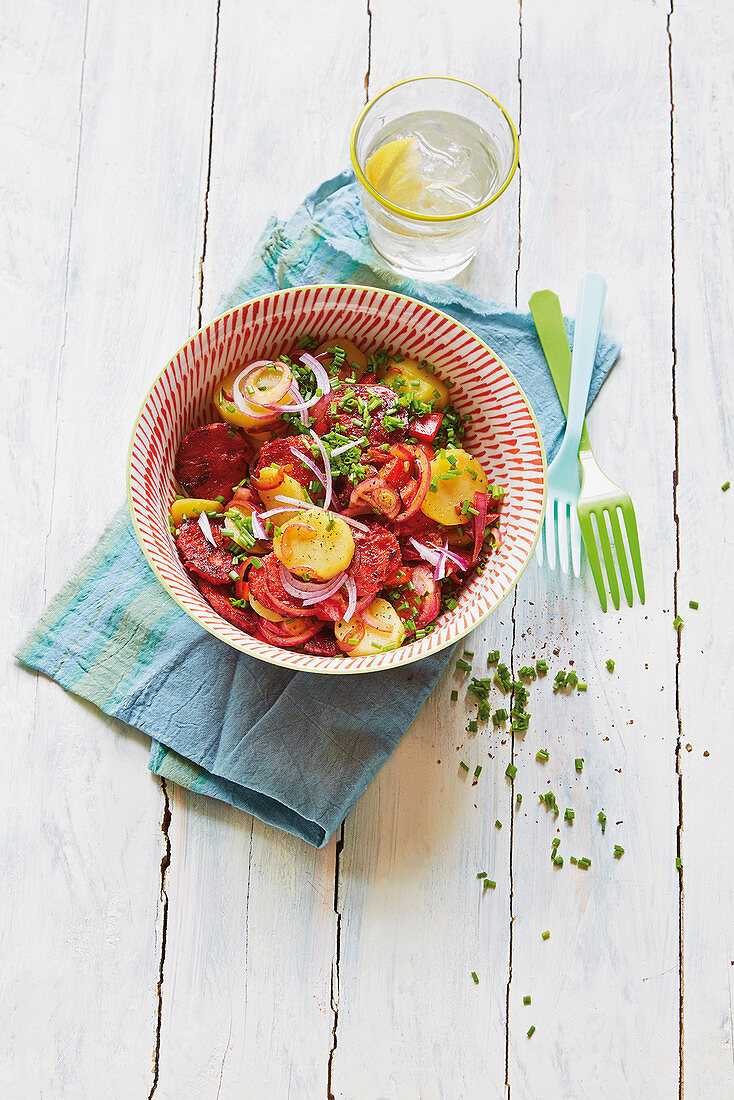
596 196
704 399
247 986
414 923
103 125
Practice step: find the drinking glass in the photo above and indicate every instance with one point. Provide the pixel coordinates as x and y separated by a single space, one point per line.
434 246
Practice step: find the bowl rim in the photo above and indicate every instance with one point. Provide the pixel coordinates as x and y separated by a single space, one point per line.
408 659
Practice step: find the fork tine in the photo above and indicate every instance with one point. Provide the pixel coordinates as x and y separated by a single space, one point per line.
592 554
621 554
549 527
575 542
606 549
630 523
563 533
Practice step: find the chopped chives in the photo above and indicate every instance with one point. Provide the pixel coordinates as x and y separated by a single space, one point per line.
542 755
498 824
556 842
610 664
585 863
558 861
475 979
473 727
573 859
468 653
482 874
725 486
678 862
693 604
500 715
519 798
477 771
510 771
531 1031
583 686
454 696
464 766
618 851
579 762
569 814
493 657
463 665
677 622
572 679
542 666
545 935
602 819
490 884
526 999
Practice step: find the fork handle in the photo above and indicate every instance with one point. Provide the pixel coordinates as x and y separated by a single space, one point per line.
589 309
545 307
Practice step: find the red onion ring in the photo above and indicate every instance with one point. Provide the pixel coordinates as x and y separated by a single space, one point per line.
421 460
283 638
374 624
433 555
305 590
311 465
351 588
257 528
323 381
206 529
328 498
317 508
250 407
343 449
279 511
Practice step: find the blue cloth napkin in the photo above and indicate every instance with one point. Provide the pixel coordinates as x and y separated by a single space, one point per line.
294 749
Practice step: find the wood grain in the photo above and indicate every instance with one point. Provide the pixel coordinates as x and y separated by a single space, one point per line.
104 166
252 933
146 146
610 967
704 400
414 920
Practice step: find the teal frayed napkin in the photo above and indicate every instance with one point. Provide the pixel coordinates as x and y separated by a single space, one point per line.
294 749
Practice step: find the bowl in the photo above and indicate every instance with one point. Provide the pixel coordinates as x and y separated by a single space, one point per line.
503 434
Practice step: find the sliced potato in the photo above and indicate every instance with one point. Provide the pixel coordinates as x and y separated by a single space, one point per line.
355 363
389 636
265 612
411 380
458 476
315 544
287 487
192 507
229 411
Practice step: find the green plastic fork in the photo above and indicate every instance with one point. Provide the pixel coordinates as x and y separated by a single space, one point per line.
600 501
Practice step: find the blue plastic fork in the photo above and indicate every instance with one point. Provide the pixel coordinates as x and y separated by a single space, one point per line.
561 526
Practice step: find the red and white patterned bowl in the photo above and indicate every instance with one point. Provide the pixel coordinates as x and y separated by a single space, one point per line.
504 436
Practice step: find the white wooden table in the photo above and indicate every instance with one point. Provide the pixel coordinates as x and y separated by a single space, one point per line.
156 943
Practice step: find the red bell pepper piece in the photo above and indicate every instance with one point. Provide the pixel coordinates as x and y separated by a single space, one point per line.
426 428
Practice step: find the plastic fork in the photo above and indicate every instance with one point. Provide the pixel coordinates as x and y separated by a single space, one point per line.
599 497
561 524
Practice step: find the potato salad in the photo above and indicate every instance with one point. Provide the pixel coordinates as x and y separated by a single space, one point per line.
331 506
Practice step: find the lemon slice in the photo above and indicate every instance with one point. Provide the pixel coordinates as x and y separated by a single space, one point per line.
394 171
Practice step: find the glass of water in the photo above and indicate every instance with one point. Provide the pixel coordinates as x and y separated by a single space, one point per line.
432 155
